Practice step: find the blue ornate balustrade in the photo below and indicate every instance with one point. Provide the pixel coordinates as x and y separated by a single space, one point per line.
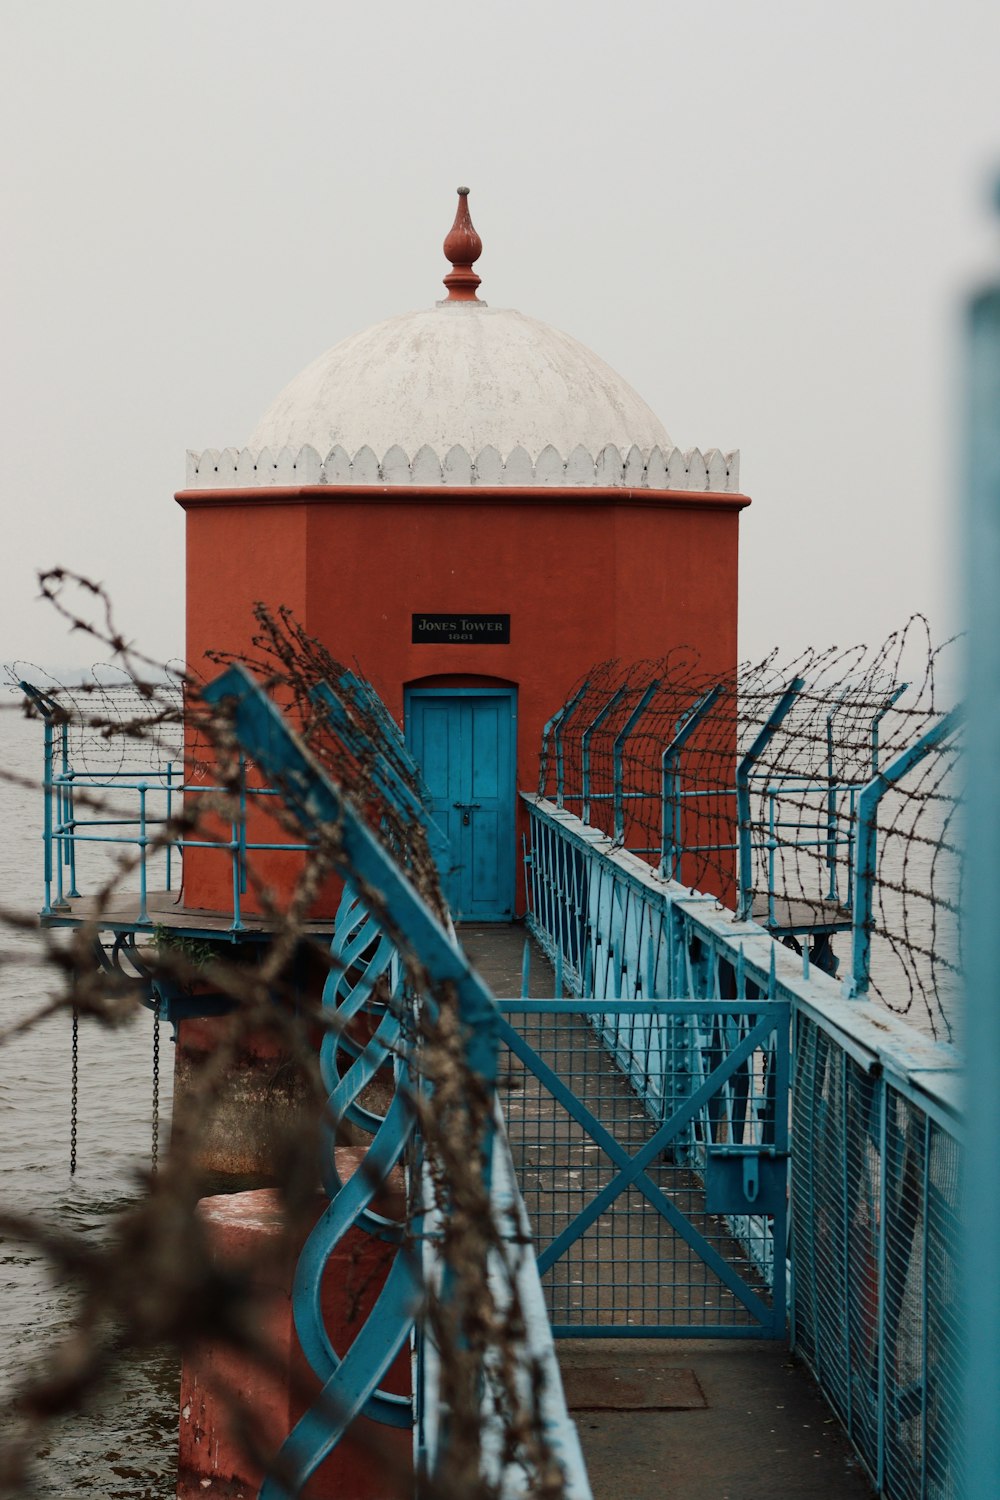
392 954
387 935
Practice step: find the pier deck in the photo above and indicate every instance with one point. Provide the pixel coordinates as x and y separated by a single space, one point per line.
800 916
121 912
700 1419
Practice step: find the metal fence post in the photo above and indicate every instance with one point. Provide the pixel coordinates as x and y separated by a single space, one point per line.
882 1248
745 872
59 840
670 823
585 739
68 800
877 719
617 753
242 827
832 816
556 725
981 1445
143 843
170 814
865 848
831 802
47 825
52 827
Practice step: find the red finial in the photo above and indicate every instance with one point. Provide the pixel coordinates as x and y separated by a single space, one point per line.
462 246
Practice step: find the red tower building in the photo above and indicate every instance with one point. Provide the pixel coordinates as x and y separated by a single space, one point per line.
475 508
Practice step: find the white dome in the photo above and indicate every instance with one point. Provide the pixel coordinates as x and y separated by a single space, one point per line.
459 373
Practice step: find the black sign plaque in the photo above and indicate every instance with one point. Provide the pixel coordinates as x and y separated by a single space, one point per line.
459 629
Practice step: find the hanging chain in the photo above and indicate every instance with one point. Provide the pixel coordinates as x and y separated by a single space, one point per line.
74 1091
155 1148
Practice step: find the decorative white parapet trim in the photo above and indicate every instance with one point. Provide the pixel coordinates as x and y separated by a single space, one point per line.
639 468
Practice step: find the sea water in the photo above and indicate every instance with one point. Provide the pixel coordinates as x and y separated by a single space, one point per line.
124 1444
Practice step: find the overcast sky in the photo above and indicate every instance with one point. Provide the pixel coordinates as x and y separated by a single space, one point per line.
764 214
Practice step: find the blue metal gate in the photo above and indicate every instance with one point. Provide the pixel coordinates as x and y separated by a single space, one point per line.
651 1142
463 739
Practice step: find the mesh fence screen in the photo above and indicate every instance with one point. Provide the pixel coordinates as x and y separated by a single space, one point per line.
875 1194
653 1259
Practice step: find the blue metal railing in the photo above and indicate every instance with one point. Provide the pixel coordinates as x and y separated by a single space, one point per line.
834 834
366 978
772 823
876 1213
152 798
671 804
876 1137
134 810
364 983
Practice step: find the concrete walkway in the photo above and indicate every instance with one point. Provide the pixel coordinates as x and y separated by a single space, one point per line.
702 1419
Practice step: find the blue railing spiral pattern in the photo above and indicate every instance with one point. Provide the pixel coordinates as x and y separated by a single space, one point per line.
390 894
364 984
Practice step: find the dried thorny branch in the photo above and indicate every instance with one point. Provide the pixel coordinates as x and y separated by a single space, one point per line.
158 1281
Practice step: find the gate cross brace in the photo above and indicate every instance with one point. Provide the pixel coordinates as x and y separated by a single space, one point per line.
632 1173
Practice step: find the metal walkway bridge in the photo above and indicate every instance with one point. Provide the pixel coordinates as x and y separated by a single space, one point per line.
697 1418
714 1147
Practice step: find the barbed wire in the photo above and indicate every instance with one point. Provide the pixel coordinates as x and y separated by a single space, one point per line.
97 710
156 1282
649 752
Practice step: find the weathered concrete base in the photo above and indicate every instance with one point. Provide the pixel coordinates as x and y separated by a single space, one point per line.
221 1388
266 1102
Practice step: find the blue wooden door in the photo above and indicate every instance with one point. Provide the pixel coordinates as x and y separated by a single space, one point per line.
464 743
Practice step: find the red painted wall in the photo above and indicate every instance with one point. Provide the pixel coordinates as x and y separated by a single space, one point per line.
584 575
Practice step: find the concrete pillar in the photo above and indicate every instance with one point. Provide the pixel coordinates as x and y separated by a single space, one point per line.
372 1462
265 1102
